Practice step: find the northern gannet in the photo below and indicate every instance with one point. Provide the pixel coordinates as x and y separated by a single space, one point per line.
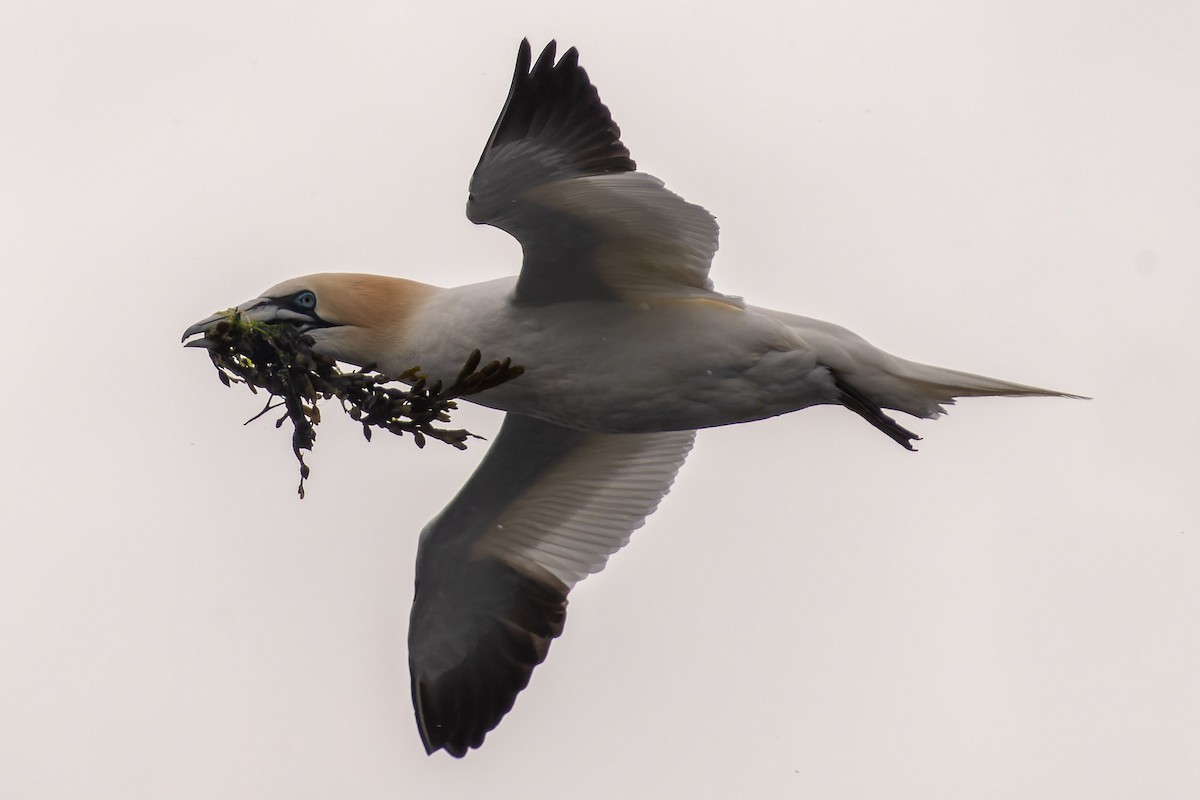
627 350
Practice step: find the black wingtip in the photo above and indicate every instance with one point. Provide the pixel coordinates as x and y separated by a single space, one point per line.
556 104
545 59
521 68
516 616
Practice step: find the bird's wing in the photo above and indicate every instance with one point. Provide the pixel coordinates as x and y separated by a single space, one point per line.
556 176
547 506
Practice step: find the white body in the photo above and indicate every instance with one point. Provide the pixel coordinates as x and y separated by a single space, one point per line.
620 367
695 361
627 349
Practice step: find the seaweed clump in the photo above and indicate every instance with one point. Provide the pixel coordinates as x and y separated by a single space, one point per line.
279 359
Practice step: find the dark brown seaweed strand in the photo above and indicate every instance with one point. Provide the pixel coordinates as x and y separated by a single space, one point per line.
280 360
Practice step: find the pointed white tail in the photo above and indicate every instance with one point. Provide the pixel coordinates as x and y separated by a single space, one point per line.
892 382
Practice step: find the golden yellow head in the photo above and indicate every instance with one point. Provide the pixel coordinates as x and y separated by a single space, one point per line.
352 317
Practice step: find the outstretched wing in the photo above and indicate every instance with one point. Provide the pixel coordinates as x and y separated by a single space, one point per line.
546 507
556 176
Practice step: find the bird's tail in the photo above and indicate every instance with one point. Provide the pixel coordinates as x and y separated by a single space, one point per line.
929 388
921 390
868 380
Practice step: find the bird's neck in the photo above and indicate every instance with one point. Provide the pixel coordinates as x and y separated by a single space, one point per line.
374 320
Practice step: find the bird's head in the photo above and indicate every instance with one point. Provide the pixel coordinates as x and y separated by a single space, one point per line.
356 318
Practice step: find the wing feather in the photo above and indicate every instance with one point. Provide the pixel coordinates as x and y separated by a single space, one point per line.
546 507
556 176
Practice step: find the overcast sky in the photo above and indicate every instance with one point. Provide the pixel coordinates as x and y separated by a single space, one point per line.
1009 189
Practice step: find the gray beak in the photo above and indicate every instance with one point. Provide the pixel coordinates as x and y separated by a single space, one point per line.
260 309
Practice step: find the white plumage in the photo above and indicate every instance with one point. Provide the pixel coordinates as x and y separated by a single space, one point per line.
627 350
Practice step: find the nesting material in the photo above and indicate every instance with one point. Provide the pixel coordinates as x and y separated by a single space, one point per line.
279 359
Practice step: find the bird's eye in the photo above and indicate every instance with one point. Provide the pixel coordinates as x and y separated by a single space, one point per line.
306 301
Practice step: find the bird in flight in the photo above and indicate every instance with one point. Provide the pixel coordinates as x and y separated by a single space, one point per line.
627 351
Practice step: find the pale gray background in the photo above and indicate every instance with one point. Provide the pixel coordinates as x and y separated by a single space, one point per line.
1011 188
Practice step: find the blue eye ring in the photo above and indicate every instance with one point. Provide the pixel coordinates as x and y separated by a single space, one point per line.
305 300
